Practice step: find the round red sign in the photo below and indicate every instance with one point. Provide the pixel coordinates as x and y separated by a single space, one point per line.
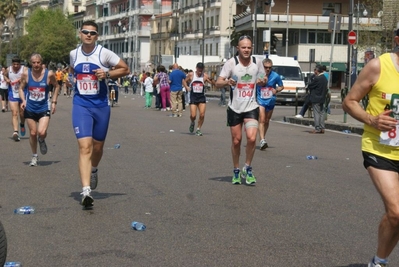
352 38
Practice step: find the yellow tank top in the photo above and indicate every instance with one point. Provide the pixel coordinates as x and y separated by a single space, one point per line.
385 89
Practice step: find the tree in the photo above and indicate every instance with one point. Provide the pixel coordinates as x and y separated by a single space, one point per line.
9 9
50 34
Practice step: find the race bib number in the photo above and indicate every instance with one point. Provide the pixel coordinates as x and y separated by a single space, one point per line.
37 93
87 84
198 87
266 92
391 137
245 91
15 89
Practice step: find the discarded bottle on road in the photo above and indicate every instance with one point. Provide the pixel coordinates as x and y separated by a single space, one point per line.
311 157
25 210
12 264
117 146
138 226
346 131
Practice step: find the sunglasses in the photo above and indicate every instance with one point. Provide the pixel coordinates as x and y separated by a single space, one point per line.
267 67
86 32
244 37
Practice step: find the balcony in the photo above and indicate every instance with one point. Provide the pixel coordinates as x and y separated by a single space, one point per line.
296 21
164 35
198 8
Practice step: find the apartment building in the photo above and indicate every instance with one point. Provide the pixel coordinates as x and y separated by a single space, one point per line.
300 26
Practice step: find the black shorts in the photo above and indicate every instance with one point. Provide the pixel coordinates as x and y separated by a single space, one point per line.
379 162
4 94
234 119
59 82
36 116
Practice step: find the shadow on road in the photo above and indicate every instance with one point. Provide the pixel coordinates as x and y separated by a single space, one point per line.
354 265
43 163
221 179
96 195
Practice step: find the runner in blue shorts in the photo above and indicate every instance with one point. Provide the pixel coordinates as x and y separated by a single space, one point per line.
266 97
91 64
35 103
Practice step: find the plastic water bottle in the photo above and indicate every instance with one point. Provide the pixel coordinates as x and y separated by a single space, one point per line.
25 210
235 78
117 146
346 131
311 157
138 226
12 264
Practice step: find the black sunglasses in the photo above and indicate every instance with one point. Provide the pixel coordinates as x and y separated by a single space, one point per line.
244 37
267 67
86 32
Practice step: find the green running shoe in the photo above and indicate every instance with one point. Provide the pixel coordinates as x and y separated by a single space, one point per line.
248 175
191 129
236 177
198 133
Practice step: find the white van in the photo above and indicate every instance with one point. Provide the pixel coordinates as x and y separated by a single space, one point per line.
290 72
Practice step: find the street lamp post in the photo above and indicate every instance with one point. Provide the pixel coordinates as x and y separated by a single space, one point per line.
230 26
286 34
270 26
254 33
203 33
160 32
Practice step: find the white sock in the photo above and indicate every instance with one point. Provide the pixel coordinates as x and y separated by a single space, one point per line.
84 188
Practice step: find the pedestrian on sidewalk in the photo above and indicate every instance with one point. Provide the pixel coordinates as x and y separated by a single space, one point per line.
318 91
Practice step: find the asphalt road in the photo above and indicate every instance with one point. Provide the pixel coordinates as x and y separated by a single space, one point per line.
301 212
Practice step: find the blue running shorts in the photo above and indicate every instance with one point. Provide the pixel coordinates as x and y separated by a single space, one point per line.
90 122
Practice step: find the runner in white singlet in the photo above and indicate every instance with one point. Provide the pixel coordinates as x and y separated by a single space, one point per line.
242 73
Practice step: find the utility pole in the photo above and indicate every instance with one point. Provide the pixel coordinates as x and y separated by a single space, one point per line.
349 53
203 33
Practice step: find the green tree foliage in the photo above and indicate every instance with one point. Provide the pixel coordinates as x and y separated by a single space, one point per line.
50 34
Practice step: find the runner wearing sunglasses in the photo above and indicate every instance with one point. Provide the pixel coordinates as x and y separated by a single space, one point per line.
91 65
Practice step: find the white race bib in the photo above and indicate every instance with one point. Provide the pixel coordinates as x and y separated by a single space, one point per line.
87 84
245 91
266 92
15 89
37 93
390 138
198 87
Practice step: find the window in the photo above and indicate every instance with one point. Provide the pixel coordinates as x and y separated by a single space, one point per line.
311 37
206 49
212 21
331 8
217 49
217 20
210 49
76 8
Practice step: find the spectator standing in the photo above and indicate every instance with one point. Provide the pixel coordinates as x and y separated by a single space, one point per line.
176 80
149 89
318 91
162 79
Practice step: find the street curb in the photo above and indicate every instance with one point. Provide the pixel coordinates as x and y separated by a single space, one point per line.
329 124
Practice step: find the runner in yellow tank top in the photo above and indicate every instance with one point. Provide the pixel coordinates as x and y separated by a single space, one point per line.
380 141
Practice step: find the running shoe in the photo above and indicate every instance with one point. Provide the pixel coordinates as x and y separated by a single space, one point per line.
94 180
33 162
23 131
198 133
3 110
87 199
43 147
191 129
15 136
248 175
236 177
372 264
263 144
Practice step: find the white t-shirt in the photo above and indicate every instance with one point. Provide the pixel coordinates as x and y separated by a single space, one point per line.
244 93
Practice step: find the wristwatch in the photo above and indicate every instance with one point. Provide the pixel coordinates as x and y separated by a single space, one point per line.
107 75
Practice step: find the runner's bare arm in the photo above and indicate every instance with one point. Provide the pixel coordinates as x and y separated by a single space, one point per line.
22 84
363 85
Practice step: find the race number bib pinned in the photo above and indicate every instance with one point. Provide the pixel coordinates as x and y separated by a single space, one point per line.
245 91
266 92
37 93
87 84
198 87
15 89
391 137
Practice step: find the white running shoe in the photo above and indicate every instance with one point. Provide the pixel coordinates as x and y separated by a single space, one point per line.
15 136
263 144
299 116
87 200
33 162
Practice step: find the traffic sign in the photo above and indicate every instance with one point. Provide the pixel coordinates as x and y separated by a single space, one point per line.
352 38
